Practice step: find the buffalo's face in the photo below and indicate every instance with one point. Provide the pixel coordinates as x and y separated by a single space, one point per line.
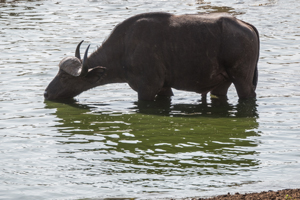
74 77
64 86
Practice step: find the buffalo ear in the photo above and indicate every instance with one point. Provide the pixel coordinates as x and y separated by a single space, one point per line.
95 74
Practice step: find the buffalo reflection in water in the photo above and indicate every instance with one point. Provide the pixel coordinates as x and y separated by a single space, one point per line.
161 134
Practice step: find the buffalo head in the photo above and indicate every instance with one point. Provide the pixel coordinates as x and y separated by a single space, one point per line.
74 76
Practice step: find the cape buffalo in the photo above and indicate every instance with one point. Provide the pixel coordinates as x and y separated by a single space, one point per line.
154 52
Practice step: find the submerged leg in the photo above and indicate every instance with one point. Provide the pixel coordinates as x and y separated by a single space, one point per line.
203 98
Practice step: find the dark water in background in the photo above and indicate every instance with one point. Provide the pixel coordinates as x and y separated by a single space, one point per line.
106 144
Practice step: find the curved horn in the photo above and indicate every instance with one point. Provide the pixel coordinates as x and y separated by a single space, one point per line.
77 52
85 68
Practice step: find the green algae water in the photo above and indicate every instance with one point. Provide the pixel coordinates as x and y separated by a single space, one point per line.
105 144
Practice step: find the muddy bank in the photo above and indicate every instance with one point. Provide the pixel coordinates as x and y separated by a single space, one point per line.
289 194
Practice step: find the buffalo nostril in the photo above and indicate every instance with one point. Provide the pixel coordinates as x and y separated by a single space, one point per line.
46 95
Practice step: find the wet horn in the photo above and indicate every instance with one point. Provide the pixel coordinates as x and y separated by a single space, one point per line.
77 52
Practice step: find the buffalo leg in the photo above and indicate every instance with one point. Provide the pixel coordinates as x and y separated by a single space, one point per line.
147 89
243 82
165 91
146 95
221 90
245 90
148 92
203 98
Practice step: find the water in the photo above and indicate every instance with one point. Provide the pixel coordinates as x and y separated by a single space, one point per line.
106 144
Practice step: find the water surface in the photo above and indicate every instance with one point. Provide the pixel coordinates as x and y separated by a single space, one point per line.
106 144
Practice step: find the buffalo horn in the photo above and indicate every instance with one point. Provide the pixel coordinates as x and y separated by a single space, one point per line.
77 52
85 68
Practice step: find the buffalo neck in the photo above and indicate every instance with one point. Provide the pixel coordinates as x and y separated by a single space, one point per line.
105 56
